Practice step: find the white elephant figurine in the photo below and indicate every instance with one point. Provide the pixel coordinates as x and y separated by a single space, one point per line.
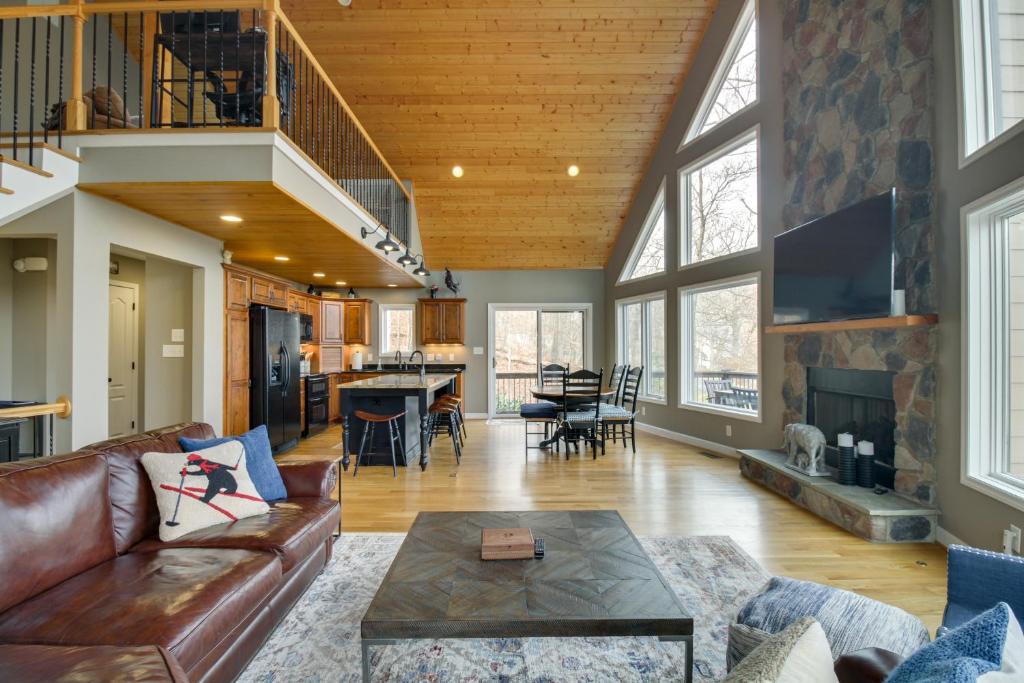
805 445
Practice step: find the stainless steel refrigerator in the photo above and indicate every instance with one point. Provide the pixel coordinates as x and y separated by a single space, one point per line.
274 396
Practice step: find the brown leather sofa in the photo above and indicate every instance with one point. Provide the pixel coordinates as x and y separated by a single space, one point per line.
82 565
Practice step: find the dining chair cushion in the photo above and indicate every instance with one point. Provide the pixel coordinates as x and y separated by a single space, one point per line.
538 410
610 412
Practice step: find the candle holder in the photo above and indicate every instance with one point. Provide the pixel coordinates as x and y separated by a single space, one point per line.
847 460
866 464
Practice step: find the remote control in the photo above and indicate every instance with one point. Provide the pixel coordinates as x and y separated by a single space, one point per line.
538 548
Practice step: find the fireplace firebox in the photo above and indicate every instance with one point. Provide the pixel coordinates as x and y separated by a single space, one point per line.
861 403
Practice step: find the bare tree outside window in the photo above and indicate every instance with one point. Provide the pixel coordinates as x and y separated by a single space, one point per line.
722 200
642 341
399 330
739 87
651 259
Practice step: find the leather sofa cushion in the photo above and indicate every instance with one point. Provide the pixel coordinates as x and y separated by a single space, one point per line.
134 513
55 522
73 664
293 529
185 600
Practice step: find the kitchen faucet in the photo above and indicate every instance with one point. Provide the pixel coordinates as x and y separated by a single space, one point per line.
398 360
423 362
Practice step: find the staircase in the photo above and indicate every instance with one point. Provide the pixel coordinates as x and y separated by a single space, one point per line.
25 187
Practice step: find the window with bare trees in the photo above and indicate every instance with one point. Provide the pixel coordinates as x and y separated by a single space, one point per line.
720 336
734 85
719 195
648 255
641 341
397 328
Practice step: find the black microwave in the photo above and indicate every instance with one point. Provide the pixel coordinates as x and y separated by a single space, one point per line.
305 328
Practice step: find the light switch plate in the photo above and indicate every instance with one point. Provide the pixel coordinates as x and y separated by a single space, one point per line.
174 351
177 335
451 356
478 350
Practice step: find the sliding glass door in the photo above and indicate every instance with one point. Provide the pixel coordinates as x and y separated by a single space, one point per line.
526 337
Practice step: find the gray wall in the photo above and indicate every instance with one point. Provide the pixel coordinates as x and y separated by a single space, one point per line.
969 515
505 286
168 381
663 168
133 270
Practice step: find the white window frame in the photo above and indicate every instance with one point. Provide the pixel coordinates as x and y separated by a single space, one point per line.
985 340
382 319
974 82
686 400
657 206
747 17
750 135
645 342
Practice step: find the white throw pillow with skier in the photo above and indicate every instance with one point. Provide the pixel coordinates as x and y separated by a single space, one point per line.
203 488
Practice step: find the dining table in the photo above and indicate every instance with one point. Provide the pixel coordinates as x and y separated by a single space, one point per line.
557 394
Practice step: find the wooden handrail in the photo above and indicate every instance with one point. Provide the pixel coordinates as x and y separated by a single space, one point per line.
61 408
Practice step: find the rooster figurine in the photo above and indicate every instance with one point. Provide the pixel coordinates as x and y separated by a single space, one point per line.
450 283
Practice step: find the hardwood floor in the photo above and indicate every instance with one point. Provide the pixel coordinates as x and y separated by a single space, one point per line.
667 488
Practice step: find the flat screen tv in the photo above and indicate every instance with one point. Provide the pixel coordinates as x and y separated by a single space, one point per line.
837 267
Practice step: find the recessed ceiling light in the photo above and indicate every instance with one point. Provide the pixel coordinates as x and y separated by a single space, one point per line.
392 285
228 218
281 258
341 283
318 274
574 171
457 171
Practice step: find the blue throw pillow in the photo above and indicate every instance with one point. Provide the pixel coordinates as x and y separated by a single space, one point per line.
259 460
987 643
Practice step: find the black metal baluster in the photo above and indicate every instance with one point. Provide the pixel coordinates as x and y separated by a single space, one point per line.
190 88
92 113
46 85
257 116
32 97
206 43
17 68
60 87
142 59
124 70
110 63
174 42
156 104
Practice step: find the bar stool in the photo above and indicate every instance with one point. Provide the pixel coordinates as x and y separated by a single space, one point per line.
394 434
455 402
444 417
462 416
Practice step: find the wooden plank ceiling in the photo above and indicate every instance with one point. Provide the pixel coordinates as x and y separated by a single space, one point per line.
514 91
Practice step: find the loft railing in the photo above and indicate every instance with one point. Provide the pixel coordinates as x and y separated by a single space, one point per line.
185 64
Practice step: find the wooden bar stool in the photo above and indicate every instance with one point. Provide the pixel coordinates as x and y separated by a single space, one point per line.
455 402
444 417
394 434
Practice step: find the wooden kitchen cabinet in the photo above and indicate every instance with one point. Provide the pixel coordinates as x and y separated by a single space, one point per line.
236 290
331 326
313 311
331 358
357 321
296 302
334 397
442 321
269 292
236 403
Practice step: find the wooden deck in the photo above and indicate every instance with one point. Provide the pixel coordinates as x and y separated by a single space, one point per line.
667 488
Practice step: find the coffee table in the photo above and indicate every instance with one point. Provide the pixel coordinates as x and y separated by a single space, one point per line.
595 580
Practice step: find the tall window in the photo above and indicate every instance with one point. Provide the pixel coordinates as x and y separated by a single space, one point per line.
720 333
720 199
734 84
648 255
993 245
992 63
397 328
641 341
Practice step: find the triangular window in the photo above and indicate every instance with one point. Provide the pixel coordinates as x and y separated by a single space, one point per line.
648 255
734 85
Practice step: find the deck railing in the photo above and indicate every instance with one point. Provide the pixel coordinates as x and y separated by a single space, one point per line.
512 389
124 65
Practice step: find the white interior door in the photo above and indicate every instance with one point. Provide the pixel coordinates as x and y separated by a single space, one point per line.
525 337
122 362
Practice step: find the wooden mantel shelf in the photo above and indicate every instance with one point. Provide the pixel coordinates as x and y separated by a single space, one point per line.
892 322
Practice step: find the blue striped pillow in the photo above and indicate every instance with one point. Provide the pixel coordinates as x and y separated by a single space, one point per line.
259 460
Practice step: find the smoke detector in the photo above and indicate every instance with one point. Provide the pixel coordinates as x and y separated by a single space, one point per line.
344 3
29 264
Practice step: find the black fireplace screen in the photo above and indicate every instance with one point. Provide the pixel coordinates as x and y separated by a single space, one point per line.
859 402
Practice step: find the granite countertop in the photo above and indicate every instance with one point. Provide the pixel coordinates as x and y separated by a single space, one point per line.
428 382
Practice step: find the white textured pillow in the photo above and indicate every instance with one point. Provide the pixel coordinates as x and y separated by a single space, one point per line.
201 489
798 654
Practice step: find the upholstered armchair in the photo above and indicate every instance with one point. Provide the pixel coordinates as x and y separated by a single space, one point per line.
977 580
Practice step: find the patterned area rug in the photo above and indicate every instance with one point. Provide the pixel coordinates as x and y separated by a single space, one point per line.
319 639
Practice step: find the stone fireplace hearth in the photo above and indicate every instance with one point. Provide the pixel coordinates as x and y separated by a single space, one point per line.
899 386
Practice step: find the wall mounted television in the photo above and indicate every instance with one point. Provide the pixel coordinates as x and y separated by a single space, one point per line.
837 267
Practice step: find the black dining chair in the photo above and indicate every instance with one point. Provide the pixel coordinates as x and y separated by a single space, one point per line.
615 383
624 415
543 412
581 405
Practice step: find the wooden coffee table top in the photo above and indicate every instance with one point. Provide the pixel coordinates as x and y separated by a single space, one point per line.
595 580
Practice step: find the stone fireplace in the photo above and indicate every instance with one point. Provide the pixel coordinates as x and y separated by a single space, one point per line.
901 359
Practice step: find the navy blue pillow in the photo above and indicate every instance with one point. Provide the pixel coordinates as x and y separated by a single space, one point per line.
259 460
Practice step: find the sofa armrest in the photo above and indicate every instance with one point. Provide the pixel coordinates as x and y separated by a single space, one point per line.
980 579
309 479
870 665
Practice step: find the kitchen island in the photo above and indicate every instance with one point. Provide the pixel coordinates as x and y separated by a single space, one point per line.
388 395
